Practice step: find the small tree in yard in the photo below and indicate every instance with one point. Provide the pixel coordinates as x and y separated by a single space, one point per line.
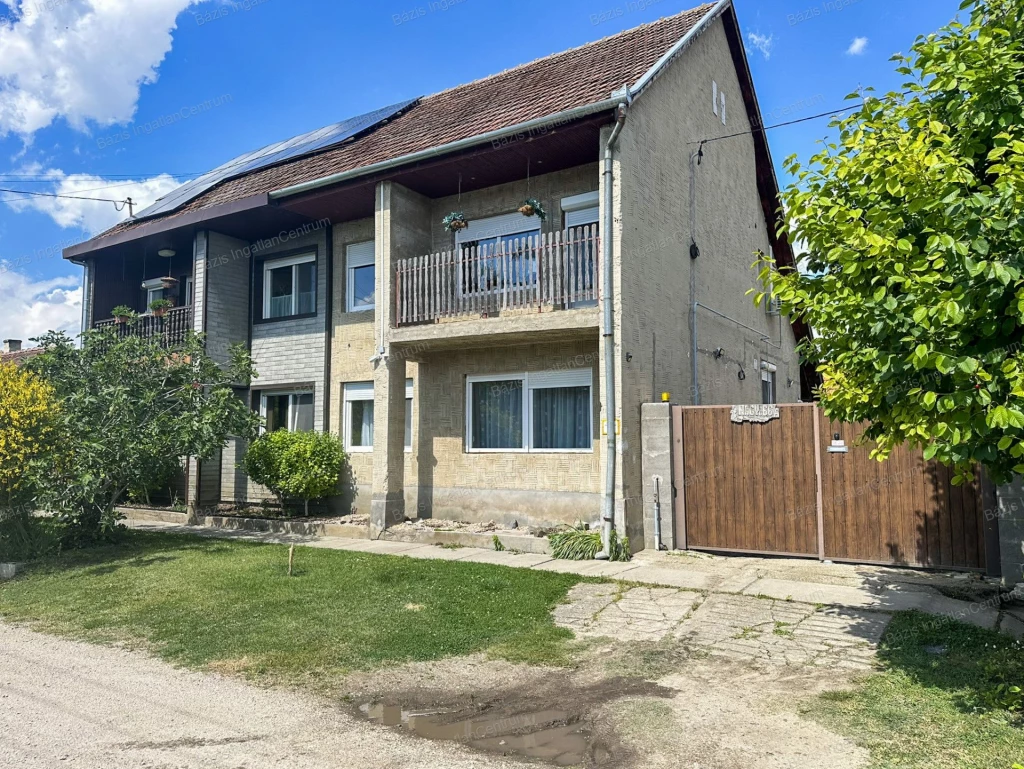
914 225
300 465
130 411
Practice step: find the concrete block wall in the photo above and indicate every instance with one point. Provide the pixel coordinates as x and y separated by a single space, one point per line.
1011 531
658 442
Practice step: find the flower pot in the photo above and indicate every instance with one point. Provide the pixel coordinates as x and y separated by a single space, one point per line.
528 210
160 313
168 283
121 319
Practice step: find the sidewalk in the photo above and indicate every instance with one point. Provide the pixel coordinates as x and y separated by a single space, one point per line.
862 588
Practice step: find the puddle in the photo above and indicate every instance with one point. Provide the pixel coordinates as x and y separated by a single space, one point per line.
554 736
558 730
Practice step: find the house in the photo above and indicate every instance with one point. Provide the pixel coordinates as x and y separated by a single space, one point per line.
495 371
13 353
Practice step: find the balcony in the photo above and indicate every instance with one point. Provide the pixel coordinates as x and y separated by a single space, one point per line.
170 330
555 271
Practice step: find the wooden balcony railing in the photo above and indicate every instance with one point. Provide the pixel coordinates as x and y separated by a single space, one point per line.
171 329
555 271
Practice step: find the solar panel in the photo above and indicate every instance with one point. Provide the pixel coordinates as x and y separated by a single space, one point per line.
274 153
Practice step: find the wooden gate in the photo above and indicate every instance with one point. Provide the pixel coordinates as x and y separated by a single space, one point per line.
781 487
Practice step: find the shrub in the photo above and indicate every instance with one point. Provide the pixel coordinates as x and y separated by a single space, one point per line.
300 465
580 544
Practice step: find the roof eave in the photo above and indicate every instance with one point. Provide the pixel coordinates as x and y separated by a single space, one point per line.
166 224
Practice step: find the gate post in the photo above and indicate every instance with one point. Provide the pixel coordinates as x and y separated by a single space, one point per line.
656 437
818 499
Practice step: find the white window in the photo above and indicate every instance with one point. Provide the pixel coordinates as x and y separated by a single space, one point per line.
769 374
537 412
361 277
292 411
289 287
582 210
358 416
154 290
190 291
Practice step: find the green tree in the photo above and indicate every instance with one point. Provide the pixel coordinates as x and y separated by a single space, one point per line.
300 465
131 411
913 219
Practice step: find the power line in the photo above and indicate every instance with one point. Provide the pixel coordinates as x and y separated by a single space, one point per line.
55 195
782 125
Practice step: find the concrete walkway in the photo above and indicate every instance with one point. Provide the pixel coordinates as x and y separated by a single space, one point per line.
861 589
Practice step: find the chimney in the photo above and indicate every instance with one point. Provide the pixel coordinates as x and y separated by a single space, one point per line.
12 345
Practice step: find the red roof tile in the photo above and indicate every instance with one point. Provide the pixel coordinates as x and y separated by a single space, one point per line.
17 358
563 81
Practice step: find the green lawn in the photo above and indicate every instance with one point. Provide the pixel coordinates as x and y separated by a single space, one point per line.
231 605
928 709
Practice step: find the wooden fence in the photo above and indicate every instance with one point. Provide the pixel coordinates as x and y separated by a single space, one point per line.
782 487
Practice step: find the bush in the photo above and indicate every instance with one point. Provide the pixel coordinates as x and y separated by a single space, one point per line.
28 433
580 544
300 465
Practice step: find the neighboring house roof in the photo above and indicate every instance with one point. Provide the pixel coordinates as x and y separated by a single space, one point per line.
564 81
20 357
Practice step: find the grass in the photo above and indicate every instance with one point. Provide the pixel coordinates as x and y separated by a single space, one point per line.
930 710
231 606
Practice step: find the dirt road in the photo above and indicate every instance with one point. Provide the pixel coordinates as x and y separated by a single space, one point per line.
77 706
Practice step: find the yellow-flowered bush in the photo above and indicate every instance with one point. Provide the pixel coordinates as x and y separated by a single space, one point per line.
27 428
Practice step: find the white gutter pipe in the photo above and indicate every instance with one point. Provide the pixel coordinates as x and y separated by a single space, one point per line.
610 399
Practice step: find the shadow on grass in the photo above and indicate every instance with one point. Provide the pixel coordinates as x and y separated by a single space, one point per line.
130 549
968 663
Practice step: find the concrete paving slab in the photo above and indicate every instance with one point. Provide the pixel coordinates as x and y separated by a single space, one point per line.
435 553
505 558
692 580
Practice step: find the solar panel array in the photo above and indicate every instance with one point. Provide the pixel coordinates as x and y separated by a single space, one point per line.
275 153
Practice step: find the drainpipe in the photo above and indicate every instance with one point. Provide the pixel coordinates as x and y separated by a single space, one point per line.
385 274
607 229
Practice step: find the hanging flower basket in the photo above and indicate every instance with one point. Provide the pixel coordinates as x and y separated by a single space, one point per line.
169 283
455 221
532 207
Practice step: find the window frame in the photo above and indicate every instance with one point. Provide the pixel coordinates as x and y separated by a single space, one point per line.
189 291
270 265
532 381
346 413
293 396
356 263
769 375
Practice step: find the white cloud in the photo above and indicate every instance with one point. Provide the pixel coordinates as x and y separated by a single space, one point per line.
92 216
29 308
858 46
82 60
763 43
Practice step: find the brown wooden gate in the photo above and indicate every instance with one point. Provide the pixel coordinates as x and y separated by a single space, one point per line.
776 488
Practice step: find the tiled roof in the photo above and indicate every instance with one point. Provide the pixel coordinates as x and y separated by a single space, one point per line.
563 81
17 358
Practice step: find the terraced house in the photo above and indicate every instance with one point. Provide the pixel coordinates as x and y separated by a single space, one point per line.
478 289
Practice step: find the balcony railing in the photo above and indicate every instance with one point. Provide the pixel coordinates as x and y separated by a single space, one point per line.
555 271
171 329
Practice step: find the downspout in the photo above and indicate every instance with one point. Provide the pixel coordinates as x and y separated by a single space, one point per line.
607 229
383 275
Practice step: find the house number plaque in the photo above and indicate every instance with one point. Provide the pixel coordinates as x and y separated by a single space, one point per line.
759 413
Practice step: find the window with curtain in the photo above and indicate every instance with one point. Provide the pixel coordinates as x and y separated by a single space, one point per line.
561 418
497 414
289 287
287 411
547 411
358 398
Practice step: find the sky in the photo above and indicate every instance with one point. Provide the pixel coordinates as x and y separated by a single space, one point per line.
119 98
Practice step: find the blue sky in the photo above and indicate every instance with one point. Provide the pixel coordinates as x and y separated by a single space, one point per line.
86 88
